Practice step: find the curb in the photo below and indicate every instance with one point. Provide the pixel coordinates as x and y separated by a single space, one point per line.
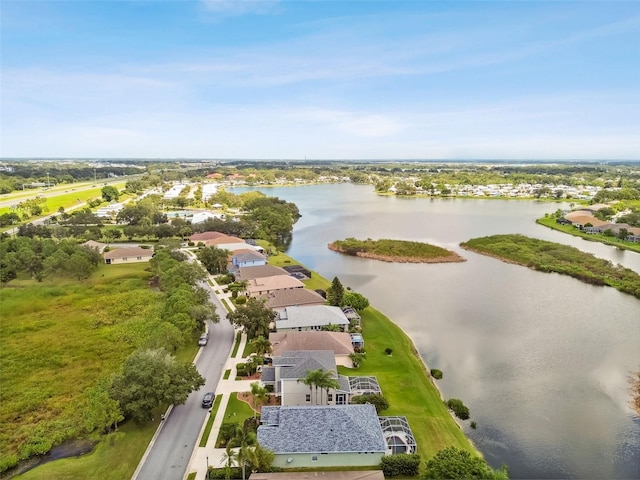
150 446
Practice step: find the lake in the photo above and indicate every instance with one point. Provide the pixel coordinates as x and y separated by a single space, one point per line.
542 360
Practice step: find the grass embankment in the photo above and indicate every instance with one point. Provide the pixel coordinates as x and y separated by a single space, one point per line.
407 386
554 257
209 425
592 237
401 251
402 377
58 338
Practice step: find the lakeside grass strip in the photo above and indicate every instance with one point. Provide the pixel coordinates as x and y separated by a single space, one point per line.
550 222
545 256
212 417
401 251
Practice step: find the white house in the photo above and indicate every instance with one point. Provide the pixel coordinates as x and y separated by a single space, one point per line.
312 317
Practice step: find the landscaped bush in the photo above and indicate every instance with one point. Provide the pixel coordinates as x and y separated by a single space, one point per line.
459 408
241 368
388 351
435 373
376 400
404 464
241 300
221 473
227 432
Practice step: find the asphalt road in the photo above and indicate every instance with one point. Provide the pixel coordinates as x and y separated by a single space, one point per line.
169 457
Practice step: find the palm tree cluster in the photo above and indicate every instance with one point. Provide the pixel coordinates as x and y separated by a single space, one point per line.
323 380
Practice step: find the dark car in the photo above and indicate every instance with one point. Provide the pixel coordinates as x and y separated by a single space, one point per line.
207 400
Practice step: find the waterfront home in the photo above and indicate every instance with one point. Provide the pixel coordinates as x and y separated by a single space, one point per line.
310 318
340 343
324 436
265 285
289 298
286 372
249 273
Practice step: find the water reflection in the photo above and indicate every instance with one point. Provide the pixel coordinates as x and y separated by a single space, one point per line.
542 360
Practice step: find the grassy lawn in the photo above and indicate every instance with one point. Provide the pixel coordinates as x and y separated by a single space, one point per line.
571 230
315 282
70 199
114 458
82 332
237 412
407 386
236 345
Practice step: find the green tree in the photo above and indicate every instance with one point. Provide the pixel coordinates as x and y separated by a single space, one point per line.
98 411
245 439
214 259
261 345
259 396
110 193
376 399
357 358
452 463
254 317
355 300
229 457
150 378
335 293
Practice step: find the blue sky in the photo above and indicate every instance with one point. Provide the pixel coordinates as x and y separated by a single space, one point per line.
322 80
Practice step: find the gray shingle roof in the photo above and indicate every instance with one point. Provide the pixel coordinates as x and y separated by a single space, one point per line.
268 374
321 429
248 257
297 363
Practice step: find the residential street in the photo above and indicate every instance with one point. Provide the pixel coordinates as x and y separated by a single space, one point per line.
170 453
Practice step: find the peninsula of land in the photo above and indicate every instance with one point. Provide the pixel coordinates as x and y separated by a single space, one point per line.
553 257
399 251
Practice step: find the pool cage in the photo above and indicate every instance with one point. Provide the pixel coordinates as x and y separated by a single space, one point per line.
364 385
397 433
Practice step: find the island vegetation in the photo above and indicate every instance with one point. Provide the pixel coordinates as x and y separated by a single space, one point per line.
547 256
401 251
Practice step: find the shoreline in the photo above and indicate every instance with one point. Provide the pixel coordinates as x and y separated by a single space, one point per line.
453 258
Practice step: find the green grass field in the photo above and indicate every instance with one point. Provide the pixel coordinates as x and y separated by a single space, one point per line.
237 412
407 386
59 337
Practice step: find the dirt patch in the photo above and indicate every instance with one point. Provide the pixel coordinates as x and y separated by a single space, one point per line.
634 380
247 398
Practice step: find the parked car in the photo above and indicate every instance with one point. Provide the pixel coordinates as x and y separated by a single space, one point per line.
207 400
203 340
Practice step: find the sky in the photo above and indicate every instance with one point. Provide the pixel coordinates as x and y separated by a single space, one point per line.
270 79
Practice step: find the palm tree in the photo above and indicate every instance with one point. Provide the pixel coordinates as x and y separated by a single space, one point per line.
244 439
260 396
313 380
327 381
261 345
229 458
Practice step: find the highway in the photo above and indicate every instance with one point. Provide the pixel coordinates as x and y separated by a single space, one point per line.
168 457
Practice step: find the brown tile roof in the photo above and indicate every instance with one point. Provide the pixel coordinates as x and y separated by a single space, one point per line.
128 252
290 298
199 237
278 282
248 273
584 219
338 342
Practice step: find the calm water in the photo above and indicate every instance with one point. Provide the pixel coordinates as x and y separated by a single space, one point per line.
542 360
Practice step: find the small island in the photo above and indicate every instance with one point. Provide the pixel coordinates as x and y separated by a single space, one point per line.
547 256
400 251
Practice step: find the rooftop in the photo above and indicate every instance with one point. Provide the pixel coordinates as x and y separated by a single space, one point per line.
289 298
310 316
338 342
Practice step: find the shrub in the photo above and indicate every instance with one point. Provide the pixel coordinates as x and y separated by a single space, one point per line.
388 351
435 373
269 388
459 408
474 425
241 300
376 400
242 370
221 473
8 462
405 464
227 432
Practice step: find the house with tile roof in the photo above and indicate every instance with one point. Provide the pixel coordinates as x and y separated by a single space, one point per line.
322 436
339 343
127 255
310 318
265 285
249 273
292 298
290 367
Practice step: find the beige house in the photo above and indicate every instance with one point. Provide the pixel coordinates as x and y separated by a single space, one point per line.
127 255
260 271
338 342
267 285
